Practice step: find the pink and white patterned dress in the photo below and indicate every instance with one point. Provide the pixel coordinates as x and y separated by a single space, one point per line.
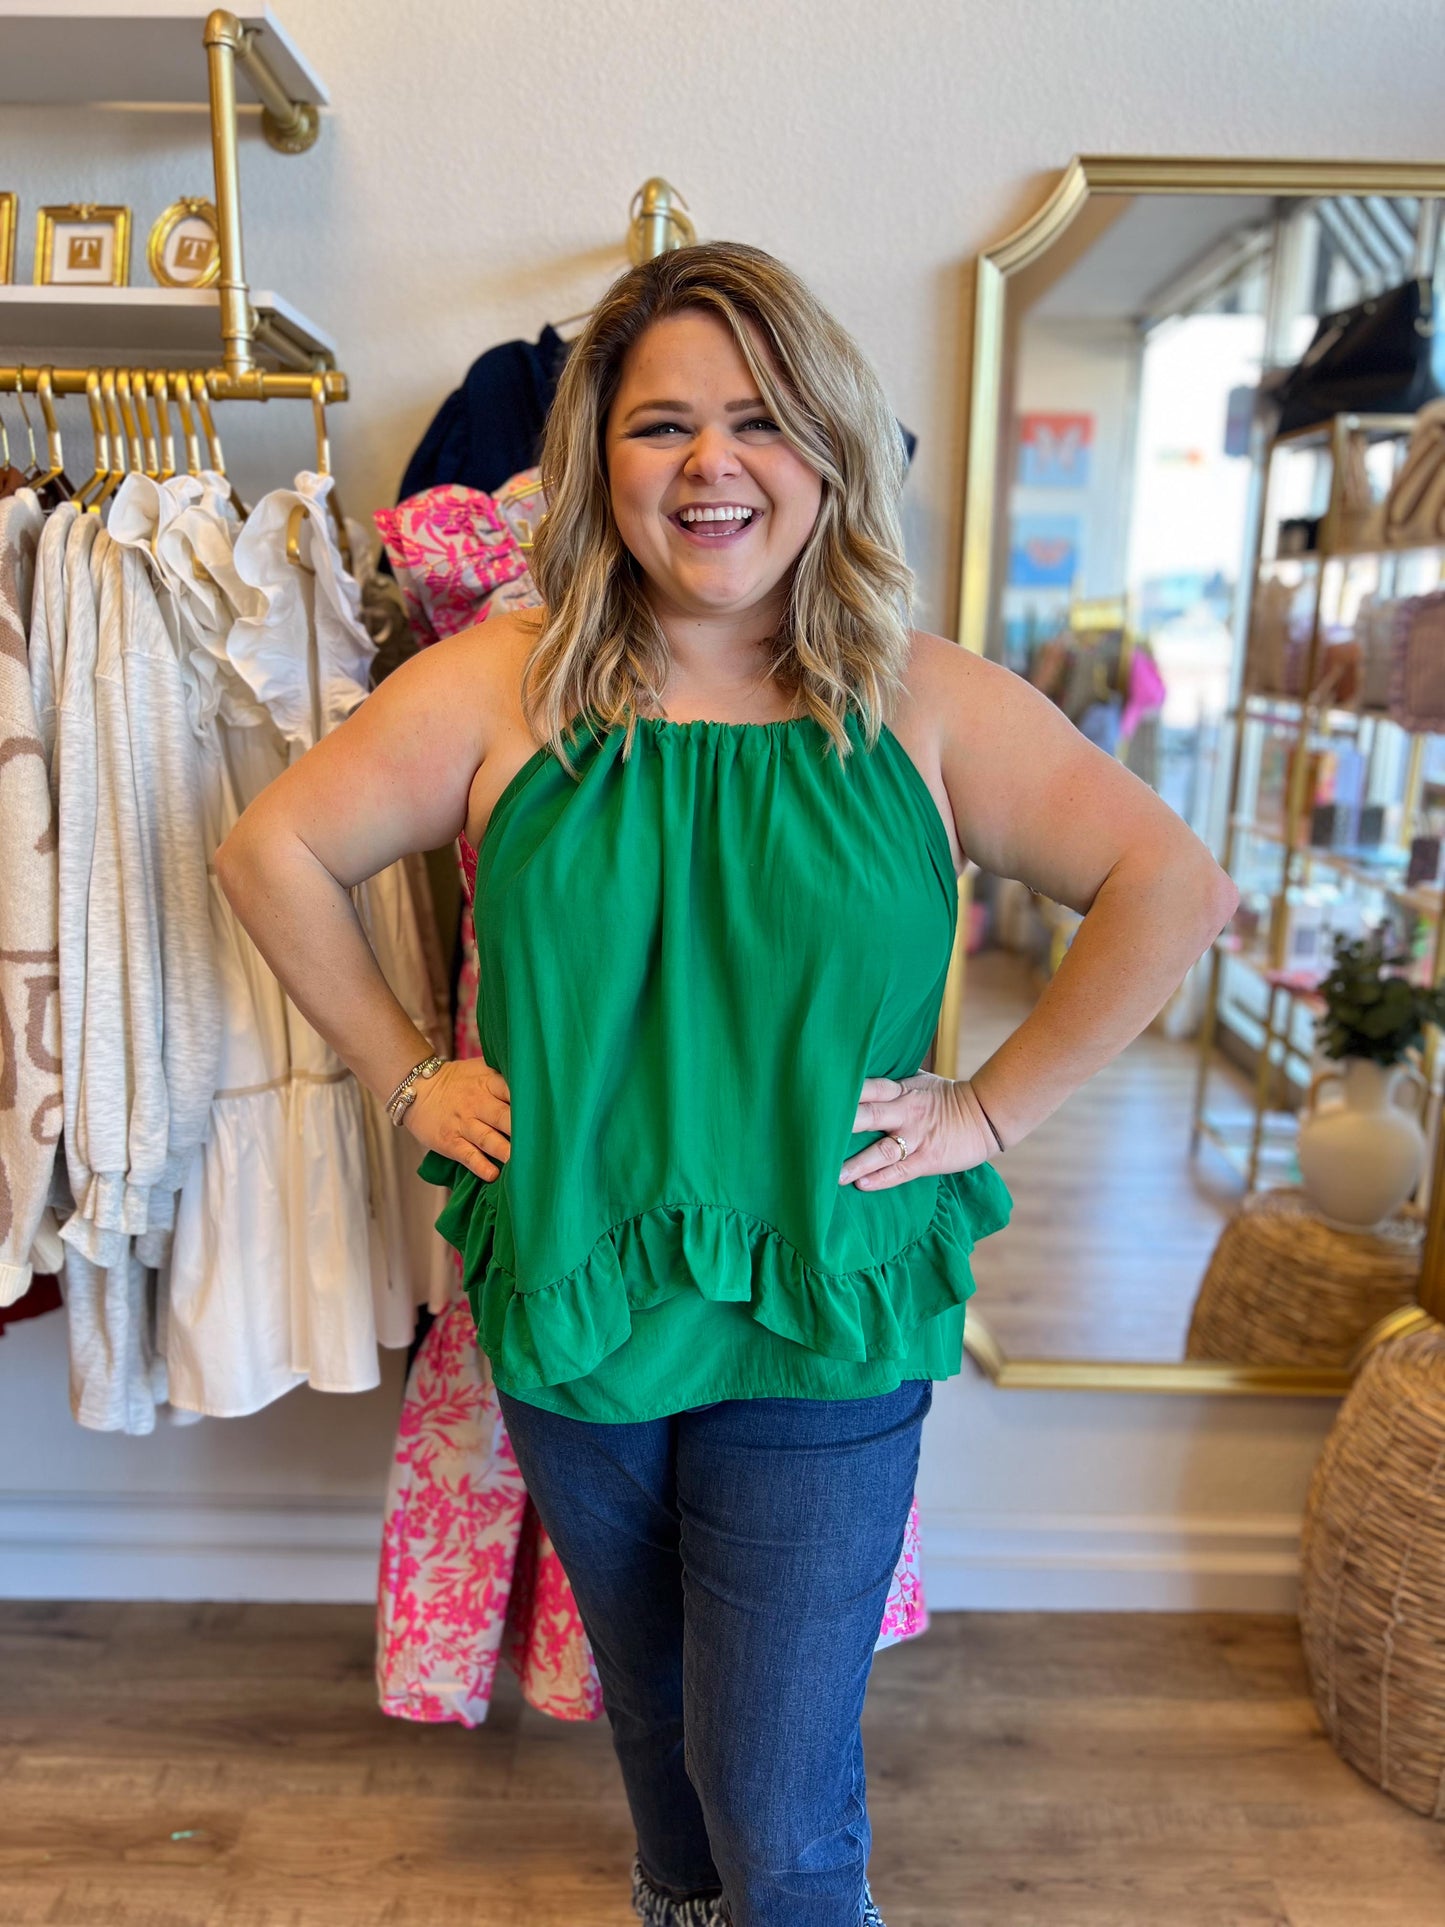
468 1574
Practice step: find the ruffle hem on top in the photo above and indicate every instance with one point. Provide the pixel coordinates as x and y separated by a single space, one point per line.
560 1331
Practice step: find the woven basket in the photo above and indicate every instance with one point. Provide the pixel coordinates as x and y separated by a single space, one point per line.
1372 1573
1285 1289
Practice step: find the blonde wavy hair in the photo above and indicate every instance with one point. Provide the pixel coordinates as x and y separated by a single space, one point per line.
844 639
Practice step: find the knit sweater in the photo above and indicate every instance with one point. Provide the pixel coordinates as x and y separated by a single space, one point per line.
29 1015
152 1016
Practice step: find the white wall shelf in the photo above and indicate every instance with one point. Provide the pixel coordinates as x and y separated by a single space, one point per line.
72 51
162 321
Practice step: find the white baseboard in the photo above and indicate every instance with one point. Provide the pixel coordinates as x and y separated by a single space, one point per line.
153 1546
76 1546
1066 1562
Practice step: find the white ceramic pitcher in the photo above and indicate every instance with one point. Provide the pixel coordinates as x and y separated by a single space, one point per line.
1361 1159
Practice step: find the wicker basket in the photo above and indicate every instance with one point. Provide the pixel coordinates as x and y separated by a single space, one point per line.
1372 1573
1283 1288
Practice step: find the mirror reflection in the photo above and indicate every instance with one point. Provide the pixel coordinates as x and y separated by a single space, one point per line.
1217 542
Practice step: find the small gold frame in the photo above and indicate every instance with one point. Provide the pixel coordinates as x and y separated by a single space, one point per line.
9 221
188 208
50 225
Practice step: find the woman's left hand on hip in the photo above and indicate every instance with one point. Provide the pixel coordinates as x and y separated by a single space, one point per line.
930 1114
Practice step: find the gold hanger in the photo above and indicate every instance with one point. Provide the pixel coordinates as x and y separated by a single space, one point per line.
165 441
215 459
56 471
34 468
127 409
323 467
293 538
182 388
118 452
101 438
201 395
297 516
148 440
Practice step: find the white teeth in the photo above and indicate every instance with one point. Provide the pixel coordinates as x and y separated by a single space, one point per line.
715 515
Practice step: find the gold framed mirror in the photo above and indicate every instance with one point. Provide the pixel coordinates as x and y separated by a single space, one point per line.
1117 490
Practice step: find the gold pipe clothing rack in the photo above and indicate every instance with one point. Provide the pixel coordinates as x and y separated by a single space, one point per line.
257 385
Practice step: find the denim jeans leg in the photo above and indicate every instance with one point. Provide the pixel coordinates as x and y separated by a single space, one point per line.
793 1515
607 1497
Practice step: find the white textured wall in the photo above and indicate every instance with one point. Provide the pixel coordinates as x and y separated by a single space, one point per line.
472 182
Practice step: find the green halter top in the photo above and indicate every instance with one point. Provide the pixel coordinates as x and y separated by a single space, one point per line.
689 962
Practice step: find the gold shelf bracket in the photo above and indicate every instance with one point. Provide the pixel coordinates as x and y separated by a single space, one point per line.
290 126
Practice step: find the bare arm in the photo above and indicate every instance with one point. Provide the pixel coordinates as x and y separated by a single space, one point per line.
394 778
1036 800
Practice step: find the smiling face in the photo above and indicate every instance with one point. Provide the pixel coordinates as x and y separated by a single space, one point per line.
708 495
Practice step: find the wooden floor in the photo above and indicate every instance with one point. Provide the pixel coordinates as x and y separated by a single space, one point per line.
1113 1225
226 1766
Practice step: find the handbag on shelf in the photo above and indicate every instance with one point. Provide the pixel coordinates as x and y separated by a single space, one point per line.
1362 513
1417 680
1382 356
1376 629
1415 506
1277 644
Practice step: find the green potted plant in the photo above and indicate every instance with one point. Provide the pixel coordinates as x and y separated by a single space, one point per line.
1359 1160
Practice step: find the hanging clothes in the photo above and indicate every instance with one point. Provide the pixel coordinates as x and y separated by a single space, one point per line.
451 549
292 655
237 1226
135 960
62 666
401 1209
492 425
152 1040
232 1216
30 1099
226 1277
115 1376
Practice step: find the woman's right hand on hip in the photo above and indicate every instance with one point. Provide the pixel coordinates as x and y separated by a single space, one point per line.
465 1113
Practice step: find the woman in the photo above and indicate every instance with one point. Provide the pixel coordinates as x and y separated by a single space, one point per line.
721 793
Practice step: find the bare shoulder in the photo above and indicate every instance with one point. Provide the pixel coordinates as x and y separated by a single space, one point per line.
482 666
940 693
498 653
948 683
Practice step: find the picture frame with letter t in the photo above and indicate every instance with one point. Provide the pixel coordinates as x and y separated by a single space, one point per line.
82 246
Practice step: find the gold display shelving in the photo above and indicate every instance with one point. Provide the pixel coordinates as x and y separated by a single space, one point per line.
1313 715
290 125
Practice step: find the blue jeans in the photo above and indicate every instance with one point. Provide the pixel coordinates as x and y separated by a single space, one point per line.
731 1565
